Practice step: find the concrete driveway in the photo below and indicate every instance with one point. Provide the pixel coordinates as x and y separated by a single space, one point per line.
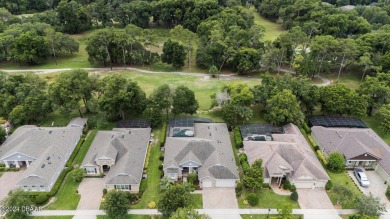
377 186
8 182
91 192
314 199
220 198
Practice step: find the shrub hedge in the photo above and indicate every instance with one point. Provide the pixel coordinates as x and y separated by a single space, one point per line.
238 138
58 183
286 185
239 189
311 140
388 192
322 157
328 185
245 166
316 148
294 196
253 199
41 198
75 152
142 187
243 158
293 188
163 135
306 128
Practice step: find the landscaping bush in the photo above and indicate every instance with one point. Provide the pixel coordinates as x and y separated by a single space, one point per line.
303 131
160 167
294 196
316 148
152 204
286 185
3 169
243 158
75 152
163 135
239 189
238 138
322 157
265 186
192 177
41 198
161 157
306 128
253 199
2 165
58 183
142 187
245 166
328 185
311 140
293 188
104 191
388 192
359 216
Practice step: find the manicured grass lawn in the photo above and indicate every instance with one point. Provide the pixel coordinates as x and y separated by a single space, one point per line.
152 190
196 201
203 88
267 199
350 79
344 180
272 29
374 123
66 198
84 148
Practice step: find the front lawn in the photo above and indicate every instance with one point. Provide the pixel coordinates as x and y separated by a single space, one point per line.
196 201
152 190
264 216
344 180
267 199
66 198
132 216
51 217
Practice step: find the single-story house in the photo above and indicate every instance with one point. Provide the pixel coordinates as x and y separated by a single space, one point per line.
43 151
360 147
121 154
208 153
288 156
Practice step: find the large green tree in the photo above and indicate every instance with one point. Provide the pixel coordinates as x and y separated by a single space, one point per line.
338 99
173 53
161 99
173 198
70 88
336 161
184 101
253 178
283 108
370 205
17 199
376 92
116 204
119 96
73 17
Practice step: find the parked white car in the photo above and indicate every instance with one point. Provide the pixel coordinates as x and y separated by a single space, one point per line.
361 177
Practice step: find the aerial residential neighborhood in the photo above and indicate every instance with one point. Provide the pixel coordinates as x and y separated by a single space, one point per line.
195 109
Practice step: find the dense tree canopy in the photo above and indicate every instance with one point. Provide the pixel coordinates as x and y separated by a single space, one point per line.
17 199
184 101
172 199
116 204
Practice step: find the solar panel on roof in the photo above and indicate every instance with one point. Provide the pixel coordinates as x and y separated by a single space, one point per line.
133 123
337 121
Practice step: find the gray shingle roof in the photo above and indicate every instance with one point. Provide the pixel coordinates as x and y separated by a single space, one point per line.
352 142
127 147
78 122
211 147
288 152
40 144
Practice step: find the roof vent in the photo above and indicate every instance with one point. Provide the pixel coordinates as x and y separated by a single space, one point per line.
50 132
208 127
48 158
129 131
49 163
43 165
123 136
210 133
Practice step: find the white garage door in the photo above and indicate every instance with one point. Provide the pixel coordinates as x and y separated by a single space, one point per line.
207 183
304 185
225 183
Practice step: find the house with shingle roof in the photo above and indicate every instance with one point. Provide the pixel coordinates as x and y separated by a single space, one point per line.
288 156
44 151
359 146
120 154
209 154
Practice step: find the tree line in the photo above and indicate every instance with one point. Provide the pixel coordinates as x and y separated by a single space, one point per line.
27 98
288 99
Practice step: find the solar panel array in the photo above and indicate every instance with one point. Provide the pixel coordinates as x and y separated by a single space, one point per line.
337 121
133 123
188 121
259 129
